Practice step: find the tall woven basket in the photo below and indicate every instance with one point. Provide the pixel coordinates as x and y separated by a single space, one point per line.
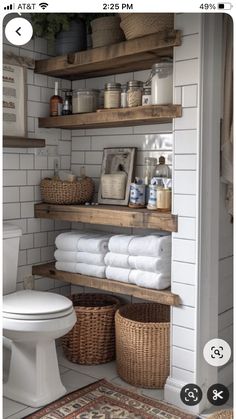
92 339
143 344
135 25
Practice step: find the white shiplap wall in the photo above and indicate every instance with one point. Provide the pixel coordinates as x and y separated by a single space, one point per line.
24 168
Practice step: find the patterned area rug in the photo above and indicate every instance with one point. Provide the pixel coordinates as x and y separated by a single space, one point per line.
103 400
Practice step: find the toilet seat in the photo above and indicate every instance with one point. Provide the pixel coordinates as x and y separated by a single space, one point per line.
35 305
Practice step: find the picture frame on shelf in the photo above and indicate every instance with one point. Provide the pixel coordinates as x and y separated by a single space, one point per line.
117 173
14 99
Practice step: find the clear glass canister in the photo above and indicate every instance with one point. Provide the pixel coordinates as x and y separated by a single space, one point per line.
84 101
134 93
150 164
162 169
112 95
162 83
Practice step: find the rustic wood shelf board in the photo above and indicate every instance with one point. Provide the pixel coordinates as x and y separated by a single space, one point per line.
133 55
160 296
141 115
22 142
109 215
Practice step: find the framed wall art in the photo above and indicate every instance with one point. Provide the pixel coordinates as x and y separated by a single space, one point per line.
117 173
14 100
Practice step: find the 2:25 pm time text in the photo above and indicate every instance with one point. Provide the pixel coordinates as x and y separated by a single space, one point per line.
117 6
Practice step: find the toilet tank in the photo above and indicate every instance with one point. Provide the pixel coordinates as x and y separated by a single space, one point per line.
11 242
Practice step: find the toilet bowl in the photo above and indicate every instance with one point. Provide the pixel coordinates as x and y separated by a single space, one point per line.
32 320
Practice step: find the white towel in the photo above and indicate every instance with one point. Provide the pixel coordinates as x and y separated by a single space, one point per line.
149 279
81 268
120 243
117 260
82 241
93 244
150 264
152 245
117 274
82 257
69 240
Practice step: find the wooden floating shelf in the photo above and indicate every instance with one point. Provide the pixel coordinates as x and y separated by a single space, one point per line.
22 142
159 296
109 215
136 54
141 115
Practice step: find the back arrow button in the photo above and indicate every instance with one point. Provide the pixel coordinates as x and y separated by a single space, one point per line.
17 31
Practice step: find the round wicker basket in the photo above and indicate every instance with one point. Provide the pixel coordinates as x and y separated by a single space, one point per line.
92 339
136 25
142 344
106 31
56 191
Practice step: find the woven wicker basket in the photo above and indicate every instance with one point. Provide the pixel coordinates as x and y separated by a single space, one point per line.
135 25
142 344
55 191
106 31
92 339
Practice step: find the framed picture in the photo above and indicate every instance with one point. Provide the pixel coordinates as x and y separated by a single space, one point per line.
14 100
116 175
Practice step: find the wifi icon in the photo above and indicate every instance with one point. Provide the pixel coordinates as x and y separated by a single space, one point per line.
43 5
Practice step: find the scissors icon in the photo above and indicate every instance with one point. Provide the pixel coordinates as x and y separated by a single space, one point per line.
217 395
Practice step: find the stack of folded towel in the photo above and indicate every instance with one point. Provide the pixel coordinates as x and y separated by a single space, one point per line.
81 252
140 260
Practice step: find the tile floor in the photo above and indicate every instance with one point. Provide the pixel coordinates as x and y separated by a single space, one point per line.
76 376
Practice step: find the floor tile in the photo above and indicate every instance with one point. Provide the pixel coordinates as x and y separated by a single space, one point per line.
157 394
11 407
73 380
119 382
107 371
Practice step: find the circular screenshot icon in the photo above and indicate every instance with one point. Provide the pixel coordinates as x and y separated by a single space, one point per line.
19 31
218 394
217 352
191 394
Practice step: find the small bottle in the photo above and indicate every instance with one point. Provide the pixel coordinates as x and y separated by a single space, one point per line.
123 97
146 98
162 170
56 102
67 104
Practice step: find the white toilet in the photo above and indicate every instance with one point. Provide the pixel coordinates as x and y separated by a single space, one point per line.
32 320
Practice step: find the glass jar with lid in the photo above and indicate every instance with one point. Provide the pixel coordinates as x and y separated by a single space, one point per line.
162 169
112 95
162 83
134 93
147 98
84 101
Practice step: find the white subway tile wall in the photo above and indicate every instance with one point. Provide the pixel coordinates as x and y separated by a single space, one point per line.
24 168
185 199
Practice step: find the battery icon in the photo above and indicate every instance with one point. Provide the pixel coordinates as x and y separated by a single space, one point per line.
225 6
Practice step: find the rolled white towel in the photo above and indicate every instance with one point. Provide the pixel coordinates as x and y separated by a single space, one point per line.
81 268
69 240
149 279
82 257
120 243
117 260
150 264
66 266
117 274
93 244
152 245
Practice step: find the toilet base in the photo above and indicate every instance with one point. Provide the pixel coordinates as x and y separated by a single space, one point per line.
34 377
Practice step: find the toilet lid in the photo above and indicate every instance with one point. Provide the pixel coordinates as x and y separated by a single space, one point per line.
35 305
